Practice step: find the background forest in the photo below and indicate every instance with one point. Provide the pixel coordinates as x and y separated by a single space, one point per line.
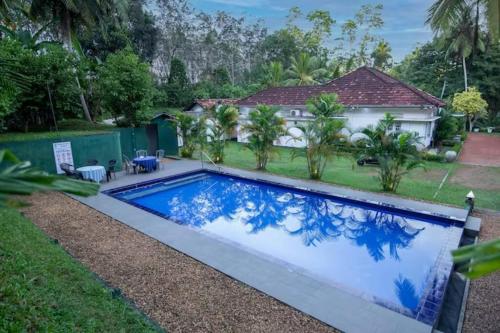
89 60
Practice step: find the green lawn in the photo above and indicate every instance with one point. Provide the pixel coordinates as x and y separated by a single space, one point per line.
43 289
342 170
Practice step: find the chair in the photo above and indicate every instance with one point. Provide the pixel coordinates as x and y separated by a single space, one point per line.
141 152
92 162
160 153
111 170
70 171
127 164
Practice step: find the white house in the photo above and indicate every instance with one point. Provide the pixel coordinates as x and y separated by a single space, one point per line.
367 95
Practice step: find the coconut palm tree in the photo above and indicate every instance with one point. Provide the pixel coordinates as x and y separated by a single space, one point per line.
68 15
396 153
304 70
322 135
273 74
265 127
443 13
459 39
221 122
381 55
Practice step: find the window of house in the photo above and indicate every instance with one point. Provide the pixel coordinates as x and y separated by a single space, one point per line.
398 126
295 122
293 113
428 130
389 128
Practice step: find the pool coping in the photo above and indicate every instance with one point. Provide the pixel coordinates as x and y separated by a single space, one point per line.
352 313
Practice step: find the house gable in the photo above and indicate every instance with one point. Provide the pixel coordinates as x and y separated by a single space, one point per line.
362 87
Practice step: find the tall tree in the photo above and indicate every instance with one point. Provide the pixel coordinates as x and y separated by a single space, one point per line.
381 55
460 38
68 15
178 87
305 70
443 13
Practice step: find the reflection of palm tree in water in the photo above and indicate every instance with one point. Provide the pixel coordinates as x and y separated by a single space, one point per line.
315 219
260 212
406 292
375 230
322 219
208 204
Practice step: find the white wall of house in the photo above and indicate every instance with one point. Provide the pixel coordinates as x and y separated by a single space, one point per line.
421 120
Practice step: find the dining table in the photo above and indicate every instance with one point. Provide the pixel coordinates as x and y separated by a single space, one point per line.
147 163
95 173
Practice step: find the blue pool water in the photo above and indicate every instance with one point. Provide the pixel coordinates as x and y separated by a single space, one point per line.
396 260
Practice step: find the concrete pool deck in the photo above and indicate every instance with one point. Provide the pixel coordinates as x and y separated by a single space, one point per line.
322 301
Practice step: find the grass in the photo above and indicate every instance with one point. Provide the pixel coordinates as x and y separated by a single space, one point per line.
418 184
44 289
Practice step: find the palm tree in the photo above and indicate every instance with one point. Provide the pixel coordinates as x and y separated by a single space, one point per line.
68 15
264 128
221 122
443 13
381 55
396 153
188 127
273 74
322 135
459 37
20 178
304 70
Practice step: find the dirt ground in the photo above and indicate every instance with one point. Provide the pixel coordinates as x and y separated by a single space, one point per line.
184 295
473 176
481 149
483 305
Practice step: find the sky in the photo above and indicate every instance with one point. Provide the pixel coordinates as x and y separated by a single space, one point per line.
404 20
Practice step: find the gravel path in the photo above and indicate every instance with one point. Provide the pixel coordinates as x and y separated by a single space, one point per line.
176 291
483 306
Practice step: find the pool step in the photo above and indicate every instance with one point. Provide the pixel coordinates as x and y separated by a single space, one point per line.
166 186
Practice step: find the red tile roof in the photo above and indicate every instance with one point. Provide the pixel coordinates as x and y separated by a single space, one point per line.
363 86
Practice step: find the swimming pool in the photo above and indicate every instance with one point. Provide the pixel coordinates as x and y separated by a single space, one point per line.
393 258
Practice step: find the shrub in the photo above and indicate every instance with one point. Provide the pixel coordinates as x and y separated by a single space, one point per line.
432 157
81 125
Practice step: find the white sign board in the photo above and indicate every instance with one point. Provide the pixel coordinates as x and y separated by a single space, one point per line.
62 154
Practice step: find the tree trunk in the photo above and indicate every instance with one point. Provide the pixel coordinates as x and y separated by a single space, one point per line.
465 73
69 46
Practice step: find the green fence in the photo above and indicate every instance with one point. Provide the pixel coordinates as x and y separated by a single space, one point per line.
102 147
159 135
167 137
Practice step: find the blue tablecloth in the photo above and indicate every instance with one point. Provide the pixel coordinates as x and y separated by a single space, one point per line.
146 162
93 172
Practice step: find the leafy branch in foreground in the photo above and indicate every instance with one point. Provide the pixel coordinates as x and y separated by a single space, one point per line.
478 259
20 178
